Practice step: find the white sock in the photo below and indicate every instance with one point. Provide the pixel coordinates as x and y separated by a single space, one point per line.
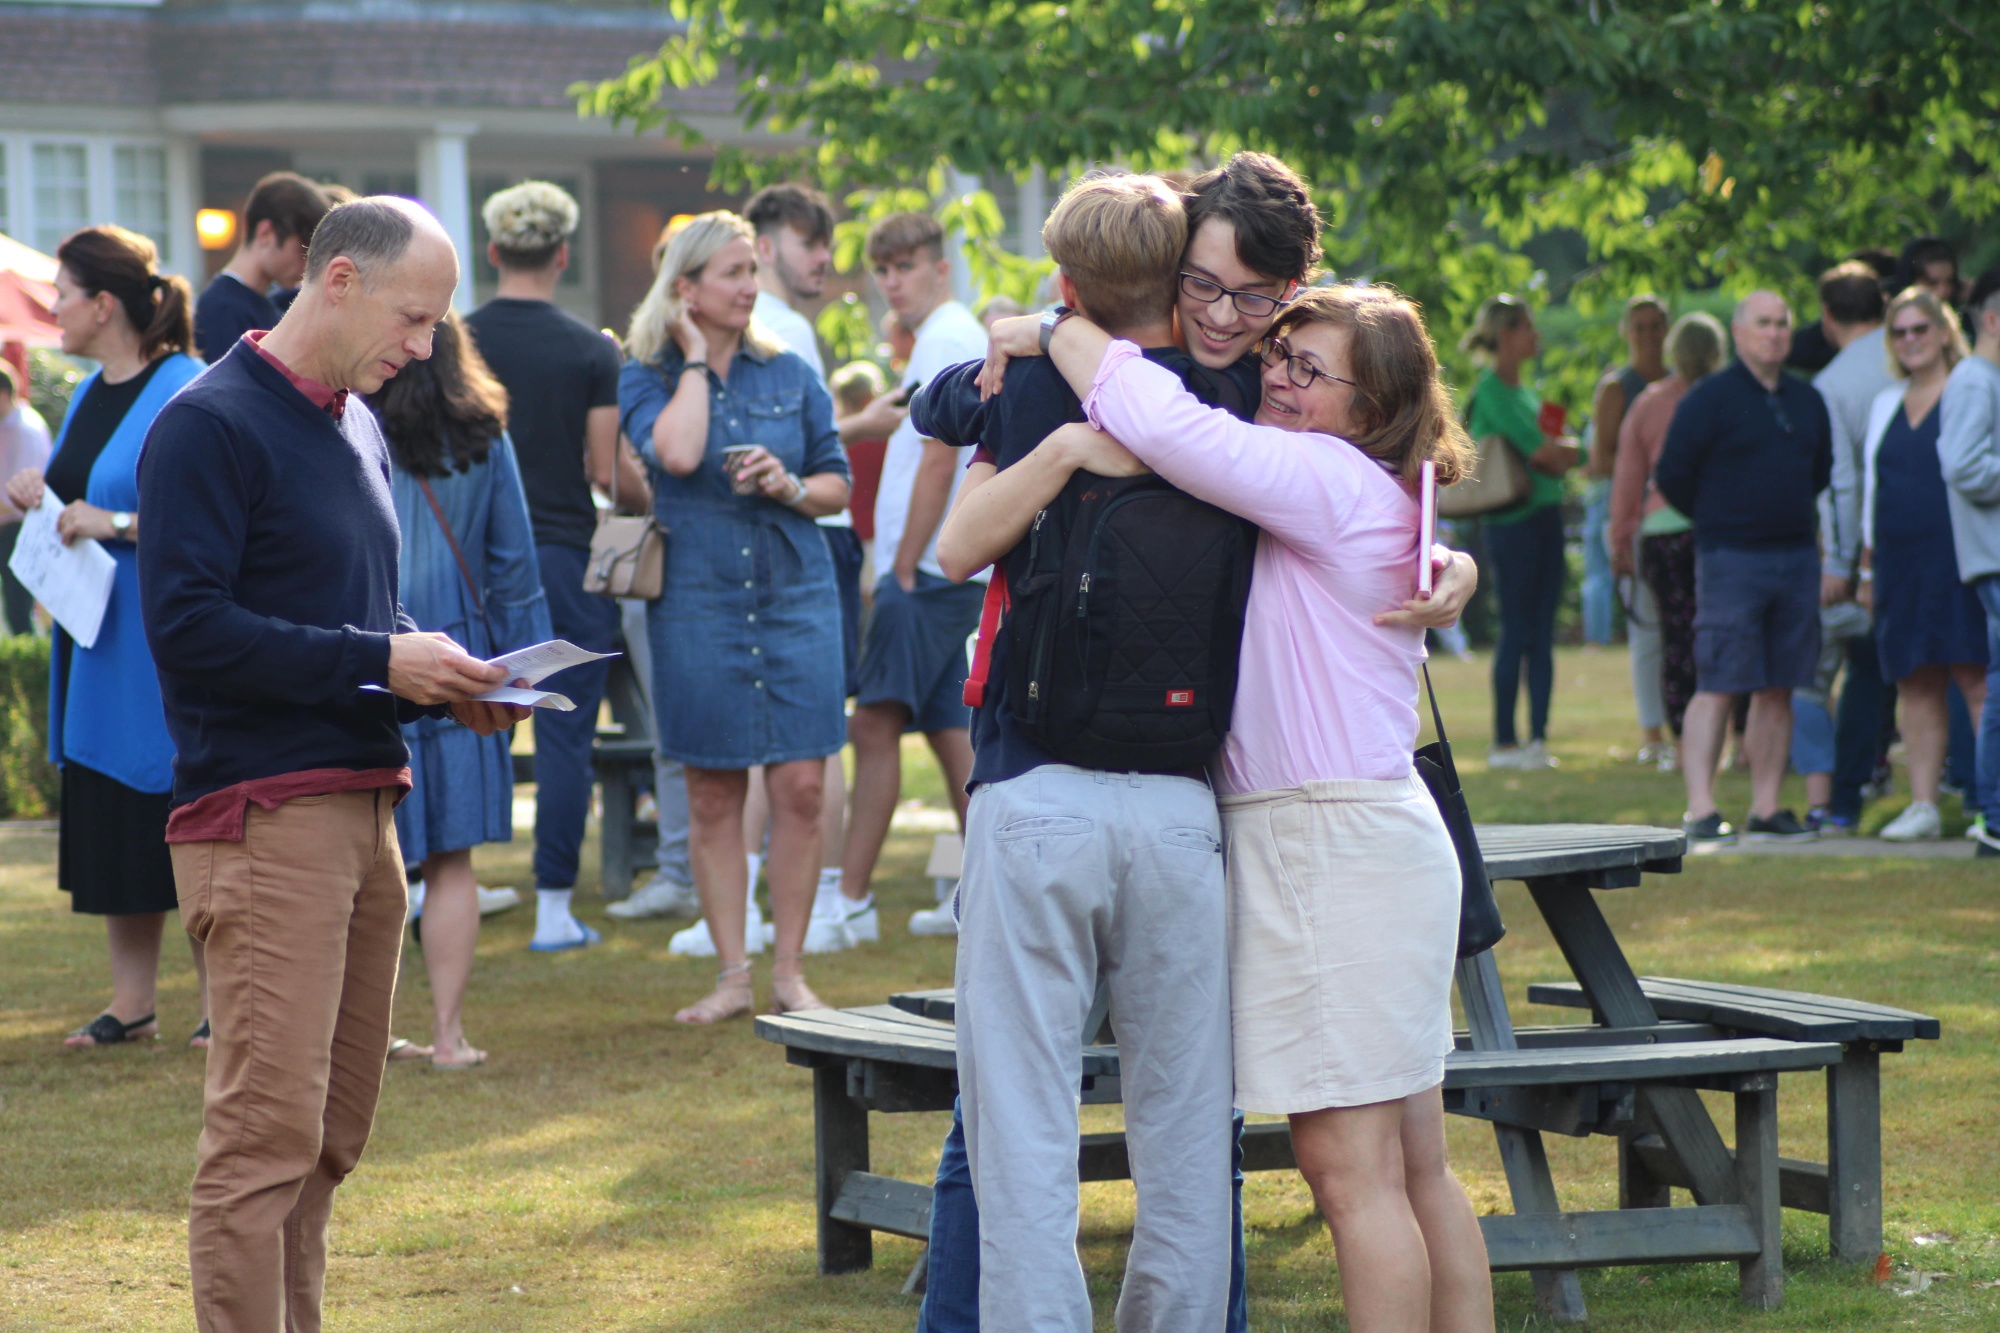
829 879
756 864
553 921
417 897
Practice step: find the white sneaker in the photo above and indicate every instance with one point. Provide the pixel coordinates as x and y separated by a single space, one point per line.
933 921
823 935
1535 754
863 922
696 942
1919 822
496 900
658 896
1503 756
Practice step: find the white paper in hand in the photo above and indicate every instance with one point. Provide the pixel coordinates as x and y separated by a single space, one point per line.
533 664
73 582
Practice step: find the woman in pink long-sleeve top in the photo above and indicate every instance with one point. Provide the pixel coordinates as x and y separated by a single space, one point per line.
1650 536
1344 888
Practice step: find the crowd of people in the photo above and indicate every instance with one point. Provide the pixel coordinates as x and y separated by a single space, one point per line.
1803 566
1141 569
324 533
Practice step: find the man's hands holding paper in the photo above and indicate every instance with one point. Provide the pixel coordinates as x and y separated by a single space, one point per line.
430 669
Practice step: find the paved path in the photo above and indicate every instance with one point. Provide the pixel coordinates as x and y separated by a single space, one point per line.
1948 849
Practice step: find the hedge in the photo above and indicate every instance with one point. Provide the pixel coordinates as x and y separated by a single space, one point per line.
29 784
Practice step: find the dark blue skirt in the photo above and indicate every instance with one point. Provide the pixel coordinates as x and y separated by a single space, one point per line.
1923 615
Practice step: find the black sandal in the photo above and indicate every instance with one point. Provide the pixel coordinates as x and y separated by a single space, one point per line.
104 1030
201 1033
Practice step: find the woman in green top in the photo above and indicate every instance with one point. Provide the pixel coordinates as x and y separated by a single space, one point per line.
1524 545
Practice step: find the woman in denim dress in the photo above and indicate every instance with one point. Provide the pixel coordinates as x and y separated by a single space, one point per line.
746 633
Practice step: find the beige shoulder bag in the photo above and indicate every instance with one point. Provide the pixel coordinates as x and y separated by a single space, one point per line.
627 553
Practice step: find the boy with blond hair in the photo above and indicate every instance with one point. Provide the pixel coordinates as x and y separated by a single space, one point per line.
1074 875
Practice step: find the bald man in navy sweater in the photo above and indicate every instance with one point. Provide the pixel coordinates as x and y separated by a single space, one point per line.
271 605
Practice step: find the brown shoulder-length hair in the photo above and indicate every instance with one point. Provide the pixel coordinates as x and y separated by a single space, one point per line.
1404 409
443 414
159 306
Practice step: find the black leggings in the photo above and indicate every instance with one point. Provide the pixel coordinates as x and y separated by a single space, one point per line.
1666 562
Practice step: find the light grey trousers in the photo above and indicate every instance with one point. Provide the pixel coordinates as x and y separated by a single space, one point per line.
670 793
1642 629
1072 875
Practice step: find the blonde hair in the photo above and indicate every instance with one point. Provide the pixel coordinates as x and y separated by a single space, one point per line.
856 384
1643 301
1496 315
529 222
1119 240
1941 316
685 256
1403 407
1696 345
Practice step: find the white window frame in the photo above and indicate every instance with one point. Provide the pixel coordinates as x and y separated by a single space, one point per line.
178 250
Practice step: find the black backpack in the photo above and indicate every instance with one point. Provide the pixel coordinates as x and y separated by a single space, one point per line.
1126 623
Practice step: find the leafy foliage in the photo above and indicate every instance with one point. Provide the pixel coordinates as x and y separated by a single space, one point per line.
1731 142
30 786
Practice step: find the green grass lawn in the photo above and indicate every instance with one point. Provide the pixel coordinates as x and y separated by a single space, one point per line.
610 1170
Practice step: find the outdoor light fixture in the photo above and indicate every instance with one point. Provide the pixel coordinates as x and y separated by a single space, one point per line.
215 227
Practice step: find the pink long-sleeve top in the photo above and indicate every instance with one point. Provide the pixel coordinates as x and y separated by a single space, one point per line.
1322 692
1640 439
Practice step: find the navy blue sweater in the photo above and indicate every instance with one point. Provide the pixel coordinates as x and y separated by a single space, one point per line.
267 570
1745 463
226 311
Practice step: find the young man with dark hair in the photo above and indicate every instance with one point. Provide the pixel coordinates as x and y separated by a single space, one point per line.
278 220
912 670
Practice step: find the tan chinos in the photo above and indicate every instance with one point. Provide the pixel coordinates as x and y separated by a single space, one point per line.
303 925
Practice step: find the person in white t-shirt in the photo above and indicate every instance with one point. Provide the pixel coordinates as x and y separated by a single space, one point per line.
913 661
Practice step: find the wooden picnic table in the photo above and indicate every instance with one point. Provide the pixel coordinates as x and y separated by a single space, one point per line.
1634 1073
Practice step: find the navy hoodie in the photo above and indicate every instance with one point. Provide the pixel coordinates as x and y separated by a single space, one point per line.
267 571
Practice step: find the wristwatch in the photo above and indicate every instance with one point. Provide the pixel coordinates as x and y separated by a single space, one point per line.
1049 321
799 491
121 525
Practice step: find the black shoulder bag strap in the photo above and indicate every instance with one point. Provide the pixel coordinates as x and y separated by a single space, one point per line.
1479 924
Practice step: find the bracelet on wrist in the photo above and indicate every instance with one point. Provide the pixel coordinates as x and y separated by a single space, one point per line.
799 491
686 366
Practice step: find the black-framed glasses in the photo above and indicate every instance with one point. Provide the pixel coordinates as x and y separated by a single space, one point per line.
1910 331
1254 304
1298 370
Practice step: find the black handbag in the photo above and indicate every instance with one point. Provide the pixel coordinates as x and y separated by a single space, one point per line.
1479 924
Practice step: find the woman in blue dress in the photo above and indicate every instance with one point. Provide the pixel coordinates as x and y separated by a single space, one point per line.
107 727
746 634
467 571
1929 628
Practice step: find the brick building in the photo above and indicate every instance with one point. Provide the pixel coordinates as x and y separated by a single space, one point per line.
143 111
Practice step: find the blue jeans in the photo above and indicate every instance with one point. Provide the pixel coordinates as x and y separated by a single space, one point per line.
1988 589
951 1291
1600 589
1527 561
563 776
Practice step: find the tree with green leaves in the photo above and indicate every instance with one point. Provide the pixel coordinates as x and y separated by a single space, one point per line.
1726 142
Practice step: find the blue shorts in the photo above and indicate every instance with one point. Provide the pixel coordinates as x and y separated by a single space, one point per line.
915 653
1756 619
844 545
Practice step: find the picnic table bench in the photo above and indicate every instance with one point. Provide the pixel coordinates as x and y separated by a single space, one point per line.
1634 1074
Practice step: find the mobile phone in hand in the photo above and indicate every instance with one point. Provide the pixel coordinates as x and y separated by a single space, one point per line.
1427 514
909 391
1554 416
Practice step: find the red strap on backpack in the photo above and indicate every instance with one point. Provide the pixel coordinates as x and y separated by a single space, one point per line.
996 606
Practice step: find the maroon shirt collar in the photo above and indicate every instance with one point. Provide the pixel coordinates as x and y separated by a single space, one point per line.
325 397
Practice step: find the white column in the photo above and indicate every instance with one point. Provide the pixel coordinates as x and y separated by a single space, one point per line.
1034 211
444 183
183 197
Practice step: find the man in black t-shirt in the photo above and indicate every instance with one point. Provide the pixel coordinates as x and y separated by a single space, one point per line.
561 377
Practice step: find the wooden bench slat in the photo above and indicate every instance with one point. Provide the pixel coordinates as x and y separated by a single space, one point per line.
1634 1064
1792 1014
884 1203
1630 1236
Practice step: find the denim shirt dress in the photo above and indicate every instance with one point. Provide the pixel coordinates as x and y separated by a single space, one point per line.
746 632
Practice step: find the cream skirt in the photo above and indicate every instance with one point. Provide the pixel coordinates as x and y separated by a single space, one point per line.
1343 913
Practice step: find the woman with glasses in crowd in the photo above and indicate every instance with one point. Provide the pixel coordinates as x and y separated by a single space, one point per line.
1930 629
1524 544
739 433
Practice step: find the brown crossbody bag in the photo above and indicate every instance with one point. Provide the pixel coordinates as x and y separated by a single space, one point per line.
465 570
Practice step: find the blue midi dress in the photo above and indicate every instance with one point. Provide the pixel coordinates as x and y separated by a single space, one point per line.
747 663
1923 615
464 783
